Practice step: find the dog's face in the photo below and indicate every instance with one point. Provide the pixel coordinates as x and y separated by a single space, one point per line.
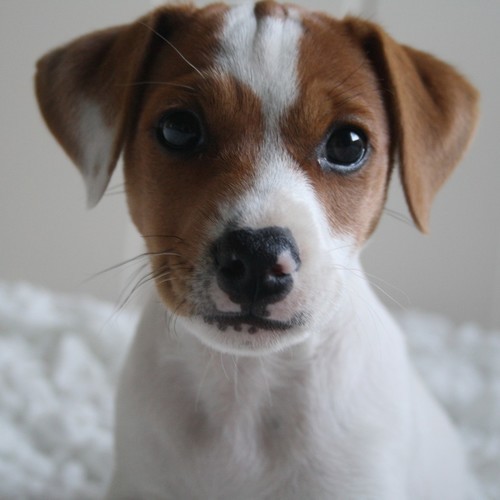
257 173
258 143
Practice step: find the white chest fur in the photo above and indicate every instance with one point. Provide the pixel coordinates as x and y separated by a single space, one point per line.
327 419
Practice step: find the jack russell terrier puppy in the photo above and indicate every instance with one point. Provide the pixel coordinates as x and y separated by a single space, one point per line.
258 143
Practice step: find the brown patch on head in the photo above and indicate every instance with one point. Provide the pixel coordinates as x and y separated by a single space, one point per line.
338 87
269 8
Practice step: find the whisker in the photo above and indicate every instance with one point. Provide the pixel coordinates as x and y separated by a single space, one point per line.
267 386
175 316
236 368
370 278
202 380
223 367
152 82
130 261
162 274
398 216
172 236
115 187
374 312
342 247
353 96
162 236
173 47
161 280
124 300
147 278
385 282
350 75
114 193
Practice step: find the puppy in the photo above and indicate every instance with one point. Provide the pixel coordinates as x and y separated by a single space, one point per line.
258 143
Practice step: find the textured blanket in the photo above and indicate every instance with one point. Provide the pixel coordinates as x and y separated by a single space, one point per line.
59 361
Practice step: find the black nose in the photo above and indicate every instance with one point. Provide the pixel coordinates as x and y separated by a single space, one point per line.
254 267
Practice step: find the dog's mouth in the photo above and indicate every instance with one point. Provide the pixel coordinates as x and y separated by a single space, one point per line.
253 323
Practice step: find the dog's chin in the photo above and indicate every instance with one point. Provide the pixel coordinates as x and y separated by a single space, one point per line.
247 334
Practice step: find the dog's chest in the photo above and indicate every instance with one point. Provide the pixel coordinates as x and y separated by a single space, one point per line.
241 432
228 429
292 425
249 440
251 459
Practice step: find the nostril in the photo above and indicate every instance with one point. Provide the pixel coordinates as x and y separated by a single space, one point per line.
275 281
233 269
278 271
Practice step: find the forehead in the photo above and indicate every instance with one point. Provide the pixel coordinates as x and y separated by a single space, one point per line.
275 51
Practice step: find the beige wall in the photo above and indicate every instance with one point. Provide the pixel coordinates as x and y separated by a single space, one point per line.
48 237
456 269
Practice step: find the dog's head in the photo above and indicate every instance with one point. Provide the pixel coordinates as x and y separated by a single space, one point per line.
258 144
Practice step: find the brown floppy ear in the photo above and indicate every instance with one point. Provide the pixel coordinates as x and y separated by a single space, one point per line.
432 110
86 93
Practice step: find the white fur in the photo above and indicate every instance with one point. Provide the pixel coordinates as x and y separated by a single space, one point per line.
221 299
331 410
340 416
97 141
263 55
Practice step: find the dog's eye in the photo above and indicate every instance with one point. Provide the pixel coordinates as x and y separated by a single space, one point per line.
180 130
345 150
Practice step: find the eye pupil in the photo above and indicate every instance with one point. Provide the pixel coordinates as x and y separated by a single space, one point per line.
345 149
180 130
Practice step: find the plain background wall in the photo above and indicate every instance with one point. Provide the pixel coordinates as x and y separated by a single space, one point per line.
47 236
455 270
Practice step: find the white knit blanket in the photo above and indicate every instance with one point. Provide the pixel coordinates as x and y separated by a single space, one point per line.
59 360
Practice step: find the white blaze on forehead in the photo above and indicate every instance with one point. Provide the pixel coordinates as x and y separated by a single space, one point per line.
262 53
